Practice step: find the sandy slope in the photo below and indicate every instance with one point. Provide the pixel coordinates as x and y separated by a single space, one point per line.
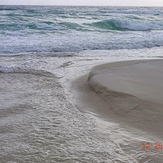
134 90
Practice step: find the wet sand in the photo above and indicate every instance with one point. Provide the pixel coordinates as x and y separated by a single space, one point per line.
51 112
134 91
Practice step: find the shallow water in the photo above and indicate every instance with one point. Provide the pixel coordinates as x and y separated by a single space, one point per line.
38 124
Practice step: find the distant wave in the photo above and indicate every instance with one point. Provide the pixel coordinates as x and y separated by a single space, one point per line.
7 8
128 24
19 26
28 30
45 25
111 24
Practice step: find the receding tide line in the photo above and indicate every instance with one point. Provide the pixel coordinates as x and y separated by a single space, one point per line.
5 69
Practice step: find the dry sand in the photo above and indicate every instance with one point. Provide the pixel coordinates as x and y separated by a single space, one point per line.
134 91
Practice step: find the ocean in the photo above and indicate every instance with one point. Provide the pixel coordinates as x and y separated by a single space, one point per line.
39 29
44 53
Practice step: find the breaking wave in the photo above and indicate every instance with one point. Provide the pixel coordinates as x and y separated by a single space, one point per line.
128 24
52 29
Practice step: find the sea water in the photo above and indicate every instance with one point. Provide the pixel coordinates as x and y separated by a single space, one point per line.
43 49
68 29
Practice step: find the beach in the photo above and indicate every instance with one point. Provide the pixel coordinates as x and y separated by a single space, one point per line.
81 84
133 90
68 109
127 93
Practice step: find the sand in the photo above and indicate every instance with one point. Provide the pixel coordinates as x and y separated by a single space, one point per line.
53 109
134 91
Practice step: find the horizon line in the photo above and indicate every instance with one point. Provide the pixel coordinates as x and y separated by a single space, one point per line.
77 5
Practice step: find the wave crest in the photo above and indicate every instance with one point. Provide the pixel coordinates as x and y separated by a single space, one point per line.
128 24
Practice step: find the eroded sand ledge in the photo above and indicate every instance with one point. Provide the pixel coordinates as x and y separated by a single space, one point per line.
134 90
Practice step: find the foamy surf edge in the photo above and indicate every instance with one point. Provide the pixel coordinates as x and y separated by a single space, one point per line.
14 69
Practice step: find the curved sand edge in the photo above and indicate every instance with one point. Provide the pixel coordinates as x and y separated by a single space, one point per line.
134 90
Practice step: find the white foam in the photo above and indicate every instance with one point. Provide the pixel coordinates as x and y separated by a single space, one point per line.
138 25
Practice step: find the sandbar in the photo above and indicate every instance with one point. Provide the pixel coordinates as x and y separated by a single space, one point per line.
133 90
